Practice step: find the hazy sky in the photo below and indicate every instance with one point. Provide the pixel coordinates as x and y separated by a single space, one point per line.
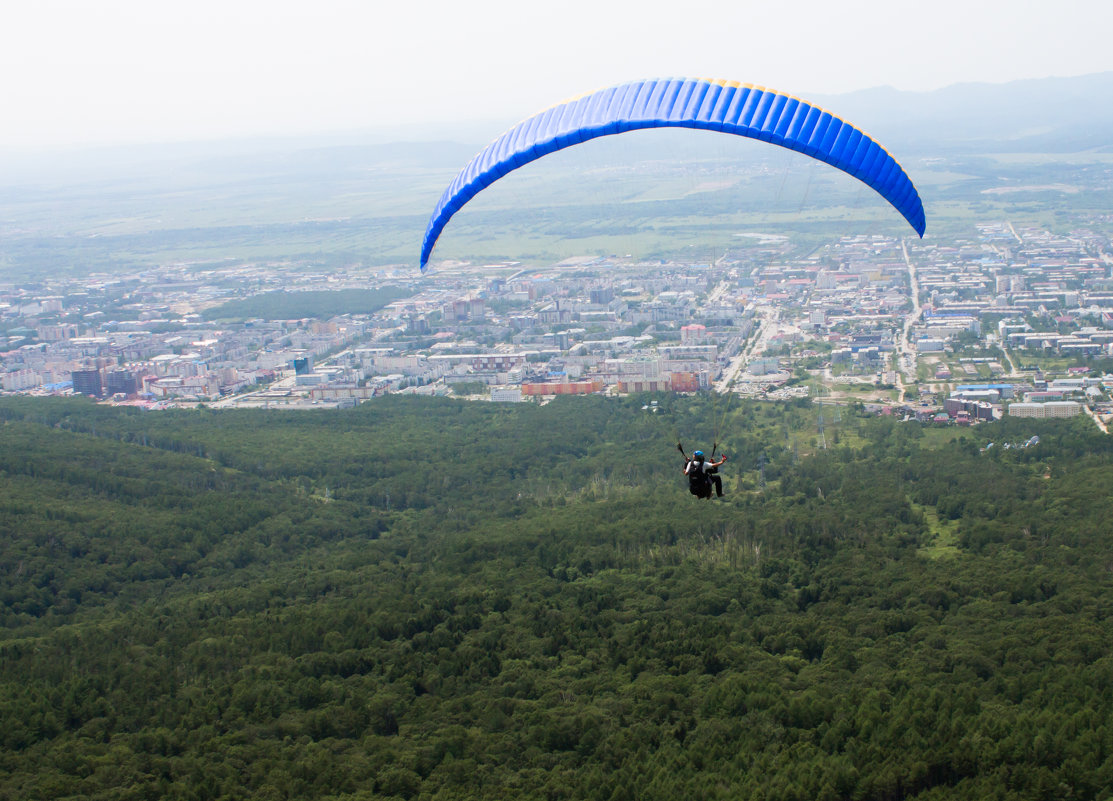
107 71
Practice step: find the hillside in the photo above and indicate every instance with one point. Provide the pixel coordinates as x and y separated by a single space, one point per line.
433 599
1048 115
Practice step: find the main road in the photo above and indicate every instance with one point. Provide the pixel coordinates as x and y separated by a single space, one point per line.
767 316
906 353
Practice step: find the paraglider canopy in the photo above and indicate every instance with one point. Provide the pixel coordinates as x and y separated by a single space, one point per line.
726 106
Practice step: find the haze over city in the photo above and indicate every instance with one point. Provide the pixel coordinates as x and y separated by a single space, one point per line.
126 71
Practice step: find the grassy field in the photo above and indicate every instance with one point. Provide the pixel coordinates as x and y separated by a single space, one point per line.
675 200
942 535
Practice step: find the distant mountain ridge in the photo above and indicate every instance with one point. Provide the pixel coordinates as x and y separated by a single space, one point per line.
1041 115
1047 114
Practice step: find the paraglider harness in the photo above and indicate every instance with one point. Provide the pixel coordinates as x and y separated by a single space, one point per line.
700 474
699 479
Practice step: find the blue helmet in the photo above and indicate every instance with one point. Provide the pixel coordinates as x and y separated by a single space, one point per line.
698 454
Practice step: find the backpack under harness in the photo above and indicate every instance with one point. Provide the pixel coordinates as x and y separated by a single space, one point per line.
699 481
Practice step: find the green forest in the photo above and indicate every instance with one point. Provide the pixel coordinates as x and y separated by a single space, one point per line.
439 599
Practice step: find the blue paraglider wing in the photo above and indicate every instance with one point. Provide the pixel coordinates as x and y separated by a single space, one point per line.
740 109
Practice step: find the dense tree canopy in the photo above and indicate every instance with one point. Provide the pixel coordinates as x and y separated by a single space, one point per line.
441 599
